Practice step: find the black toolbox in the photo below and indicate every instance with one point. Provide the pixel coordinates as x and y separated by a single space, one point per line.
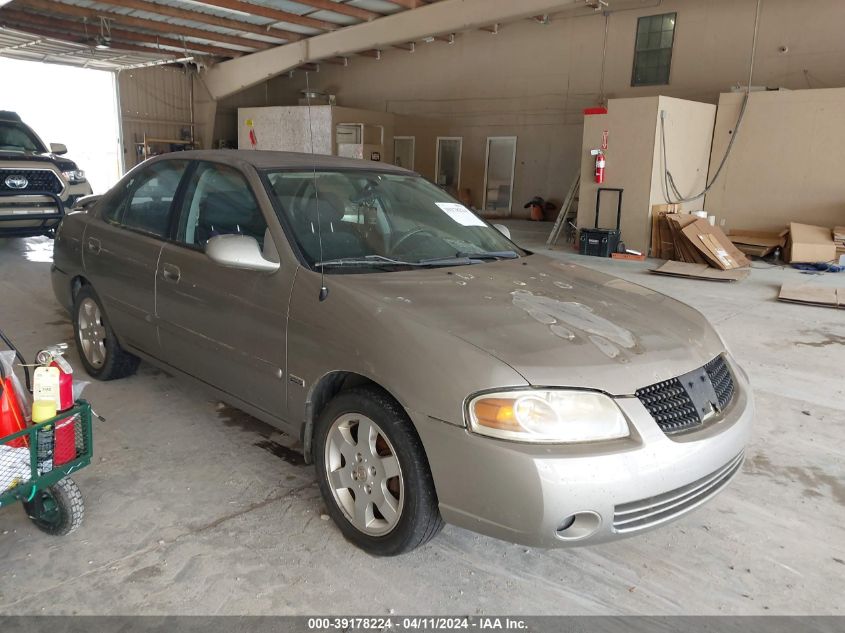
602 242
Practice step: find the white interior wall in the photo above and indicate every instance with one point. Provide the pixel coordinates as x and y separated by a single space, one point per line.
786 163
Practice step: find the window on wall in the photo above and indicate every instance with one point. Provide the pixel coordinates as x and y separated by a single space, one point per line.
653 50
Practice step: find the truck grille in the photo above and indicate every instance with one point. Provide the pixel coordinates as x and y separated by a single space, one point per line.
37 180
674 407
647 513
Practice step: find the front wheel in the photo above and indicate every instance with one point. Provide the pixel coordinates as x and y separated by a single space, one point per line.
99 349
57 510
373 473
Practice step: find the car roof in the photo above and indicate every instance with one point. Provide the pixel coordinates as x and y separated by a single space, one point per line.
263 159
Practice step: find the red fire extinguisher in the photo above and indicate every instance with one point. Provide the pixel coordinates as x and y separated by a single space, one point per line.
600 164
64 434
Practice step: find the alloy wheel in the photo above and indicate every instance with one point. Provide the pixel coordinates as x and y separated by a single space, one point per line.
92 332
364 474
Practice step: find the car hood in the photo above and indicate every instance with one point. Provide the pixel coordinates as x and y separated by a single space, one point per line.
556 323
64 164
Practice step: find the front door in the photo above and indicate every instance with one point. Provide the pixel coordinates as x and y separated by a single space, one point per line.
121 249
448 163
222 325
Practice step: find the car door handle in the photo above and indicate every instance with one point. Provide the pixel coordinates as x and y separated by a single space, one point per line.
171 272
94 245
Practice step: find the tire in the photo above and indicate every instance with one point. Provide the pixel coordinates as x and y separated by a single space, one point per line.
401 510
57 510
100 352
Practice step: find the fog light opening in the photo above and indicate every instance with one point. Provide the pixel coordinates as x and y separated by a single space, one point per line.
578 526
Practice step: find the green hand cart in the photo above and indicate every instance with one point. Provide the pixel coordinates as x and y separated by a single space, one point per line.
28 473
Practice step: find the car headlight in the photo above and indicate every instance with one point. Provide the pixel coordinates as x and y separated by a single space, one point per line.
552 416
74 176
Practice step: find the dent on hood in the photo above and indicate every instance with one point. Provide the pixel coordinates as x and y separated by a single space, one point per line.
563 317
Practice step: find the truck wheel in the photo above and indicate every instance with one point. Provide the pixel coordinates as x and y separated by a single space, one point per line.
57 510
373 473
99 350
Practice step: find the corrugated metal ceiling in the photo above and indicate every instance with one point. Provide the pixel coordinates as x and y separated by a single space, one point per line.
19 45
208 30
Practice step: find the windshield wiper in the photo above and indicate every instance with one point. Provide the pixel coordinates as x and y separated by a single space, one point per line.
463 259
489 255
367 260
381 260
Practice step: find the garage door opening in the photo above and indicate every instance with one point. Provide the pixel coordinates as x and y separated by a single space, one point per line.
74 106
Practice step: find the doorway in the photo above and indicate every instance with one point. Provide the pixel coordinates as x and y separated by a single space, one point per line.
498 174
448 165
88 125
403 151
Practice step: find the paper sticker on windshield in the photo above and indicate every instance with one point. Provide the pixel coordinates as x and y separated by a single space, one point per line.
460 214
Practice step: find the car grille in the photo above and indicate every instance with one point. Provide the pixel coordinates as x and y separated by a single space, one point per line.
38 180
671 404
646 513
720 377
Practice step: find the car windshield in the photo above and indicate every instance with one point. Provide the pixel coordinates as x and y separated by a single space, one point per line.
17 137
362 221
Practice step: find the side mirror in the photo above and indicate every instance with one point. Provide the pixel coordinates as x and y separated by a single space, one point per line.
58 148
501 228
86 202
238 251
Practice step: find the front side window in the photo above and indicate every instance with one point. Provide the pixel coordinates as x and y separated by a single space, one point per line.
147 207
361 221
219 201
653 50
17 137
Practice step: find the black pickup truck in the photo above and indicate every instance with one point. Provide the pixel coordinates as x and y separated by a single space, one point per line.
37 185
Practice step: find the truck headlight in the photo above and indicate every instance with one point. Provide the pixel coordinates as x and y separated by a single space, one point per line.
553 416
74 176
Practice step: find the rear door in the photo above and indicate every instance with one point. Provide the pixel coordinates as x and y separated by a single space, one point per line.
222 325
122 246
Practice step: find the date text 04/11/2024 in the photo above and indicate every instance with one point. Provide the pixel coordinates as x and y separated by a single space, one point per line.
416 623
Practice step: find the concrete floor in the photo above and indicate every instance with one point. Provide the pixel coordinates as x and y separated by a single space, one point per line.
192 508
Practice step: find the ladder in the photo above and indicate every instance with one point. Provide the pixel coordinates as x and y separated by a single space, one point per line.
565 212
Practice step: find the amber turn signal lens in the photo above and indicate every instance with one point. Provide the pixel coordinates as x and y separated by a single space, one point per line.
496 413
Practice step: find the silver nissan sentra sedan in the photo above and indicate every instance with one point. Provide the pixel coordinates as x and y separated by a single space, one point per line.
432 369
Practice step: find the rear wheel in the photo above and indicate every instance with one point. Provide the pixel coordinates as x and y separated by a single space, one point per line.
99 350
373 473
57 510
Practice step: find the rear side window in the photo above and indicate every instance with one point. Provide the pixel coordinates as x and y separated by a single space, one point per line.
219 201
146 206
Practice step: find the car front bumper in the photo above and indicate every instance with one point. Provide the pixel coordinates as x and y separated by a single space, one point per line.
525 493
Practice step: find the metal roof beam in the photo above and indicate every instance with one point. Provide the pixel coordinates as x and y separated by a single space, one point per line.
447 16
74 39
274 14
17 19
408 4
206 18
49 6
342 8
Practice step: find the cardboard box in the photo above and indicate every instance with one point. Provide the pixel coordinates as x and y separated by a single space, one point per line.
684 251
699 271
662 245
813 295
758 243
810 244
714 245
